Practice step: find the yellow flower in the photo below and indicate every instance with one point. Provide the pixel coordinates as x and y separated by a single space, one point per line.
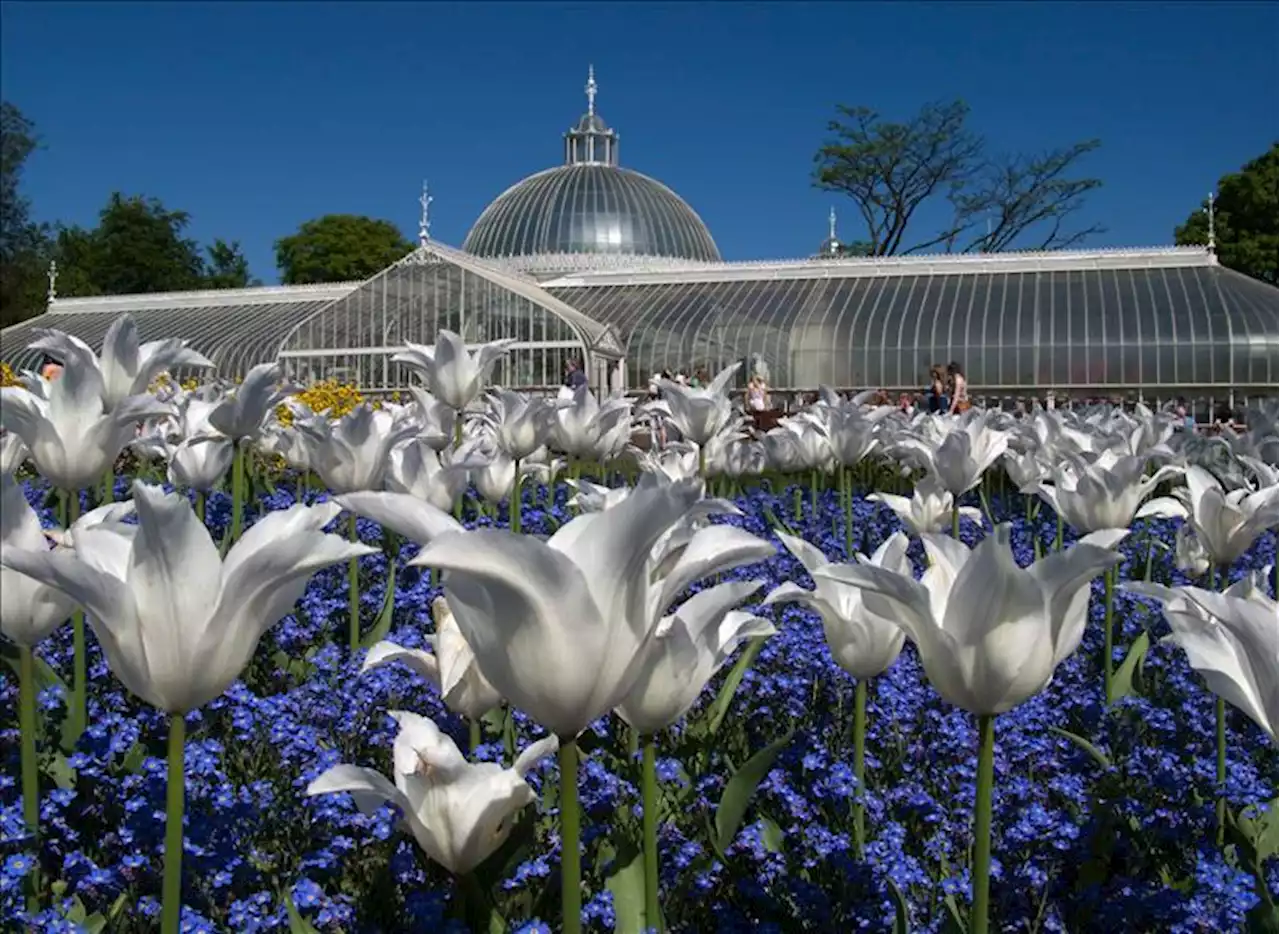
8 377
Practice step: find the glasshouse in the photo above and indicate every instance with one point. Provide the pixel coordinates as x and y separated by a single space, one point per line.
596 262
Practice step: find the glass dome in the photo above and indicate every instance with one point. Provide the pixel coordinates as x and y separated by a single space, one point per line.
591 206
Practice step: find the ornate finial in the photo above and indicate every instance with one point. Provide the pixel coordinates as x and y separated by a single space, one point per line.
424 222
1213 237
591 89
53 280
831 222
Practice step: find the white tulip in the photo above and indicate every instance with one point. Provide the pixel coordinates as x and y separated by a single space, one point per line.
1232 639
245 410
687 649
700 414
451 666
352 452
521 423
862 643
415 468
29 610
1189 553
72 437
201 463
126 367
958 454
453 375
588 429
178 623
458 812
1226 524
1104 493
556 626
990 634
928 510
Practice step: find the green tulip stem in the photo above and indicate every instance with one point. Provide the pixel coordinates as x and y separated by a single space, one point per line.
1108 636
813 491
109 485
702 461
1057 540
846 481
27 726
171 915
237 493
78 714
476 735
353 589
955 522
570 834
515 503
649 789
981 874
860 764
200 506
797 502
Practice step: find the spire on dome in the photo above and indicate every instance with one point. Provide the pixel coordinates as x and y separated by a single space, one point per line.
424 220
831 247
591 142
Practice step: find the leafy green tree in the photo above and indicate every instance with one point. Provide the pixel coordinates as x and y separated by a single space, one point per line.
891 170
227 267
138 246
339 248
24 244
1244 219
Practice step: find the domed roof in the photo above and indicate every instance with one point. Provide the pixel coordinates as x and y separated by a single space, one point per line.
591 206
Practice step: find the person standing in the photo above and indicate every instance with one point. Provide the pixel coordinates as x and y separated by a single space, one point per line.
959 388
574 376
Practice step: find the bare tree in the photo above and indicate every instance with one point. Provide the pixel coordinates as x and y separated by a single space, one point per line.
891 170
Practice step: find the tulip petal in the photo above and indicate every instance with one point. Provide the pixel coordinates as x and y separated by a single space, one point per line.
535 753
527 612
808 555
368 788
385 653
403 514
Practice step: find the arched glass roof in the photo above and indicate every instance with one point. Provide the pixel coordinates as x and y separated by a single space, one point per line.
349 330
1128 319
235 328
435 288
591 208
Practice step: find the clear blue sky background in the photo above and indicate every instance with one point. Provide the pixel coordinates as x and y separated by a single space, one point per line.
257 117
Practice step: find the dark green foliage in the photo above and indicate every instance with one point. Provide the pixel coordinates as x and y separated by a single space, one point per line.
339 248
1244 220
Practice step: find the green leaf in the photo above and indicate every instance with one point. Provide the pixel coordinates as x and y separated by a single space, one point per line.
386 614
297 923
626 882
957 917
46 677
1096 754
63 775
1122 682
720 707
134 758
739 790
901 910
774 836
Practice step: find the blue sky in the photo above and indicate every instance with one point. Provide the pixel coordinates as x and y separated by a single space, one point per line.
257 117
